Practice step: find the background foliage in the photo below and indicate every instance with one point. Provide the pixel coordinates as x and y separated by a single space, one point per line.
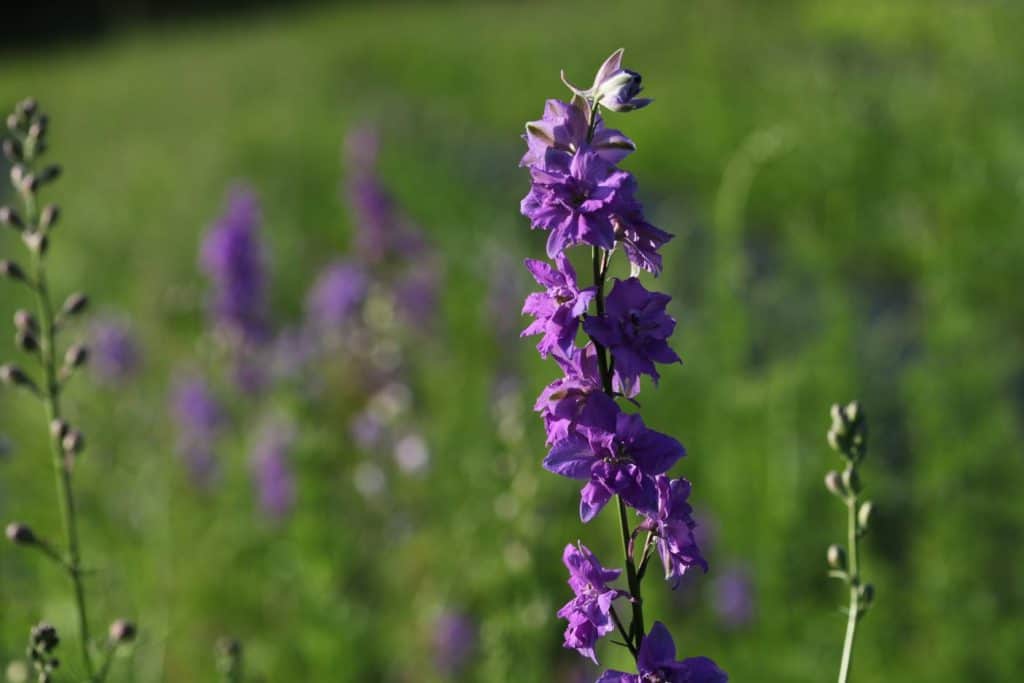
845 181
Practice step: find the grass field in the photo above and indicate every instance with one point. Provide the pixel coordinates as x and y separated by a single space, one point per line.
846 183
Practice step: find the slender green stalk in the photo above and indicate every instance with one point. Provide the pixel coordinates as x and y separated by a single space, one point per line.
854 614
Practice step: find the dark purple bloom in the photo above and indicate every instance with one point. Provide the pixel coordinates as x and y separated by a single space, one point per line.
656 663
620 462
634 328
455 640
576 198
336 296
673 526
733 598
589 613
558 309
232 256
577 399
640 240
563 127
275 483
199 418
114 352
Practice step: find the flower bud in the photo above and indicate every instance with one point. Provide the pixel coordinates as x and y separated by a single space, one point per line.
20 534
12 150
44 637
17 175
9 216
27 107
23 320
864 515
59 429
12 270
49 216
73 442
836 557
75 304
29 183
76 356
39 127
49 174
26 341
122 631
13 122
851 480
36 241
15 376
618 92
866 594
834 483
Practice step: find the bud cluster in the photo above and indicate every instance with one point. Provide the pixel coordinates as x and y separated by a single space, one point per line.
42 643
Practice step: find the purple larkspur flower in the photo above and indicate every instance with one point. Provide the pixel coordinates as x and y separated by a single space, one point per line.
589 612
114 352
336 296
620 462
557 309
673 526
656 663
455 641
563 127
614 88
577 399
576 197
199 418
232 257
733 598
275 483
640 240
635 328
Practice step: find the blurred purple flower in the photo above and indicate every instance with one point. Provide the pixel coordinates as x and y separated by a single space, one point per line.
275 483
233 258
198 418
733 598
336 296
416 295
412 454
367 429
115 353
455 641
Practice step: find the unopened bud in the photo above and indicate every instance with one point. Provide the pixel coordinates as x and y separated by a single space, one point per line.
836 557
122 631
851 480
834 483
59 429
867 594
20 534
12 150
75 304
39 127
23 320
13 122
864 515
49 174
27 107
15 376
9 216
26 341
49 216
36 241
44 637
12 270
17 175
73 442
76 356
29 183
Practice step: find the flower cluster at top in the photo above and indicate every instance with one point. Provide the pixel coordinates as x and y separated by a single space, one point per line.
604 343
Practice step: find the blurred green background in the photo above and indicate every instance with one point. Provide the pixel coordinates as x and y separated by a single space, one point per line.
845 181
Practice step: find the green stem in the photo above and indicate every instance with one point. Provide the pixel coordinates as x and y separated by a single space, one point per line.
50 395
854 581
637 625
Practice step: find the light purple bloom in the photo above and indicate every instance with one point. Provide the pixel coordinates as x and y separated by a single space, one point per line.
455 641
733 598
575 198
563 127
634 328
275 483
620 462
589 613
233 258
577 399
656 663
114 353
557 309
674 526
199 419
336 296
